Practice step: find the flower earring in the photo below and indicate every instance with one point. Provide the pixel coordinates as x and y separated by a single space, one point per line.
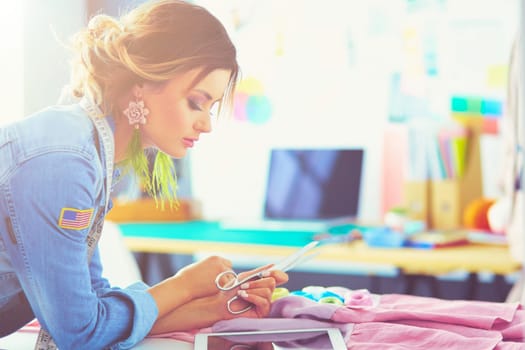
136 112
161 181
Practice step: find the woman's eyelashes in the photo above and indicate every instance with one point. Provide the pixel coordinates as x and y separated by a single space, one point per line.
194 105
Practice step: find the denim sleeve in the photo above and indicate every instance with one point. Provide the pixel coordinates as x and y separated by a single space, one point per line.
95 267
51 261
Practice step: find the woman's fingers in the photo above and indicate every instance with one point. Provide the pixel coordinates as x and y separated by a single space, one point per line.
260 298
280 277
268 282
258 292
243 275
275 279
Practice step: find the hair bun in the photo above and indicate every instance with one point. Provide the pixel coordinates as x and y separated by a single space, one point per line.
103 27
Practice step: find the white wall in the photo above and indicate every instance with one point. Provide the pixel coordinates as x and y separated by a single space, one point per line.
48 25
329 88
11 56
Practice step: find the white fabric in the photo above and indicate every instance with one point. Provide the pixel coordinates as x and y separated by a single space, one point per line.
511 212
118 263
513 158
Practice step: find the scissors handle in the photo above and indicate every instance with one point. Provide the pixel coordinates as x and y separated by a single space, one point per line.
236 312
284 265
231 280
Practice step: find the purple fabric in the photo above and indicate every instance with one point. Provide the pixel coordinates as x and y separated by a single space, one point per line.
287 340
271 324
300 307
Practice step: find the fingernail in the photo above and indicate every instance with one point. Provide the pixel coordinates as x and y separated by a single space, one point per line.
245 285
265 273
242 293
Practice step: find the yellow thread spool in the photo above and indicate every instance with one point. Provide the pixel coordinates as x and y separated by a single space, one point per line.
279 292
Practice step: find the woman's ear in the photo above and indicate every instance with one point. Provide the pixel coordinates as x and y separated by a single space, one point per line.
136 90
132 94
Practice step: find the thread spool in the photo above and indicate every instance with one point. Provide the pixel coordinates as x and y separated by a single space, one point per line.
303 294
279 293
331 300
330 294
315 291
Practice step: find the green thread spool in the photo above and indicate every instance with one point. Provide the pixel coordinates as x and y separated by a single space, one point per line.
331 300
279 293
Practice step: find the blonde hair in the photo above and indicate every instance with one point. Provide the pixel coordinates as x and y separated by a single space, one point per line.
153 42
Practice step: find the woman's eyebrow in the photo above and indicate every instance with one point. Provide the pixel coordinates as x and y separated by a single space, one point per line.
207 95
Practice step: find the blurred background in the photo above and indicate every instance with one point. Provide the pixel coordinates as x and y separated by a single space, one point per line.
384 76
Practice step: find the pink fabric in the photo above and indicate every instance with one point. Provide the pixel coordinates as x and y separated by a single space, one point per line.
399 318
463 330
360 298
515 329
509 346
373 335
392 307
462 317
382 335
394 322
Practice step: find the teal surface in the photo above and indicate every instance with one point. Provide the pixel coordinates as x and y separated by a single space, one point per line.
212 231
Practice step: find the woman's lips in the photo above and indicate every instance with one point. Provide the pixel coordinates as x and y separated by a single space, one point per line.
188 142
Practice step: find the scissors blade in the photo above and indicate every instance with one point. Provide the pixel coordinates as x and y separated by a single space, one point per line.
301 260
296 258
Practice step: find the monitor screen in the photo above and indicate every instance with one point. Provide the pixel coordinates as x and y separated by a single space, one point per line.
313 184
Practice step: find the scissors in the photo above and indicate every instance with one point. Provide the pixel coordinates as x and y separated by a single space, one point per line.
232 279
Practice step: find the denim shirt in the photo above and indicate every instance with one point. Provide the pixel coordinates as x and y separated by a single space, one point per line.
50 163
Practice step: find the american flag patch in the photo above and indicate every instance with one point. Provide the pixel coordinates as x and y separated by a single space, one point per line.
75 219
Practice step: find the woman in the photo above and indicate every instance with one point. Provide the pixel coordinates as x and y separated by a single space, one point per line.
147 81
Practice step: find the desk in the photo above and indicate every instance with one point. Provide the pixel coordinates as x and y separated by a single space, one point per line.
412 265
199 236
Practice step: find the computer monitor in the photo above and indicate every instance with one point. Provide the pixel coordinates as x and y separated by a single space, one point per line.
313 184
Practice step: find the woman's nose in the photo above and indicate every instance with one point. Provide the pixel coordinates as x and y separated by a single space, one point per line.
203 124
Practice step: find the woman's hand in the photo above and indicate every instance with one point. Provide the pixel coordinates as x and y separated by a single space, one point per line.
200 277
257 292
204 312
279 276
190 283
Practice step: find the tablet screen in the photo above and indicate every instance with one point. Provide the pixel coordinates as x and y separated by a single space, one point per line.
304 339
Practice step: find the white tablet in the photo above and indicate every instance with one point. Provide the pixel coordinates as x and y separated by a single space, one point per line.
311 338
